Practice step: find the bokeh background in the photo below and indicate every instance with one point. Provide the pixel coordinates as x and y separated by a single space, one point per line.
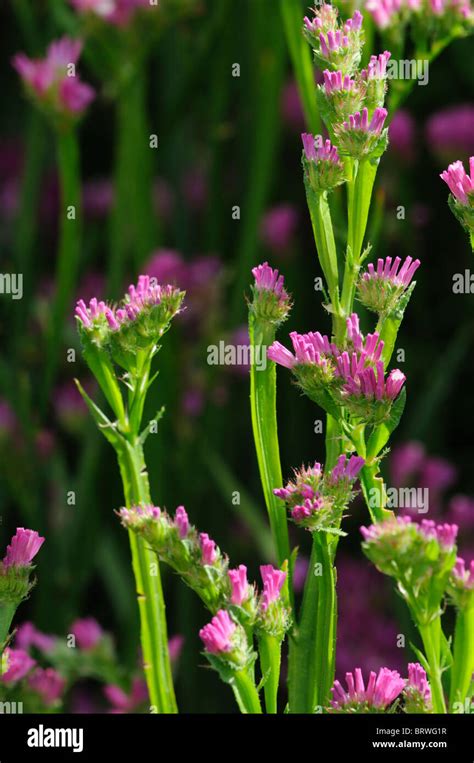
223 141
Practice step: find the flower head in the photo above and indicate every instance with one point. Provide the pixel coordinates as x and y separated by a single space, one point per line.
208 548
28 635
323 168
23 547
335 44
360 138
271 302
117 12
382 689
380 289
460 183
52 81
217 635
417 691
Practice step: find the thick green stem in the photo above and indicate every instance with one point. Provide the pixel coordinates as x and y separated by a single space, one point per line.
312 657
270 659
69 250
146 568
471 238
431 637
265 432
246 693
463 655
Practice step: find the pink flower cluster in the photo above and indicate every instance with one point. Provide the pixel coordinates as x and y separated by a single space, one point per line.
217 635
459 182
268 279
444 534
377 66
336 81
317 151
53 81
388 271
464 575
359 121
22 549
118 12
140 298
382 689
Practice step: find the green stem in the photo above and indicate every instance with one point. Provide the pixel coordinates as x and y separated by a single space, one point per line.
324 239
312 656
471 238
270 660
431 637
246 693
301 60
463 655
265 432
154 636
133 227
69 250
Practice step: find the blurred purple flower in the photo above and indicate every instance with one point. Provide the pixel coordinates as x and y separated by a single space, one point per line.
278 227
28 635
18 663
87 632
97 198
450 132
402 134
48 683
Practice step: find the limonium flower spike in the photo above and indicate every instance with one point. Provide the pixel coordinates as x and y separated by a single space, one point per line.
335 44
216 635
383 688
22 549
52 82
381 287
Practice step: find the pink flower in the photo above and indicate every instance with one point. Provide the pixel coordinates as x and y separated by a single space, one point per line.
239 584
267 279
50 81
347 468
463 575
402 134
382 689
208 549
406 461
123 702
459 182
48 684
28 635
175 647
336 81
450 132
273 581
216 635
317 151
417 680
278 227
360 121
445 534
19 663
23 547
88 633
387 271
181 521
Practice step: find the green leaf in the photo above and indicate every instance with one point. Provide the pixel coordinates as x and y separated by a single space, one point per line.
381 434
107 427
